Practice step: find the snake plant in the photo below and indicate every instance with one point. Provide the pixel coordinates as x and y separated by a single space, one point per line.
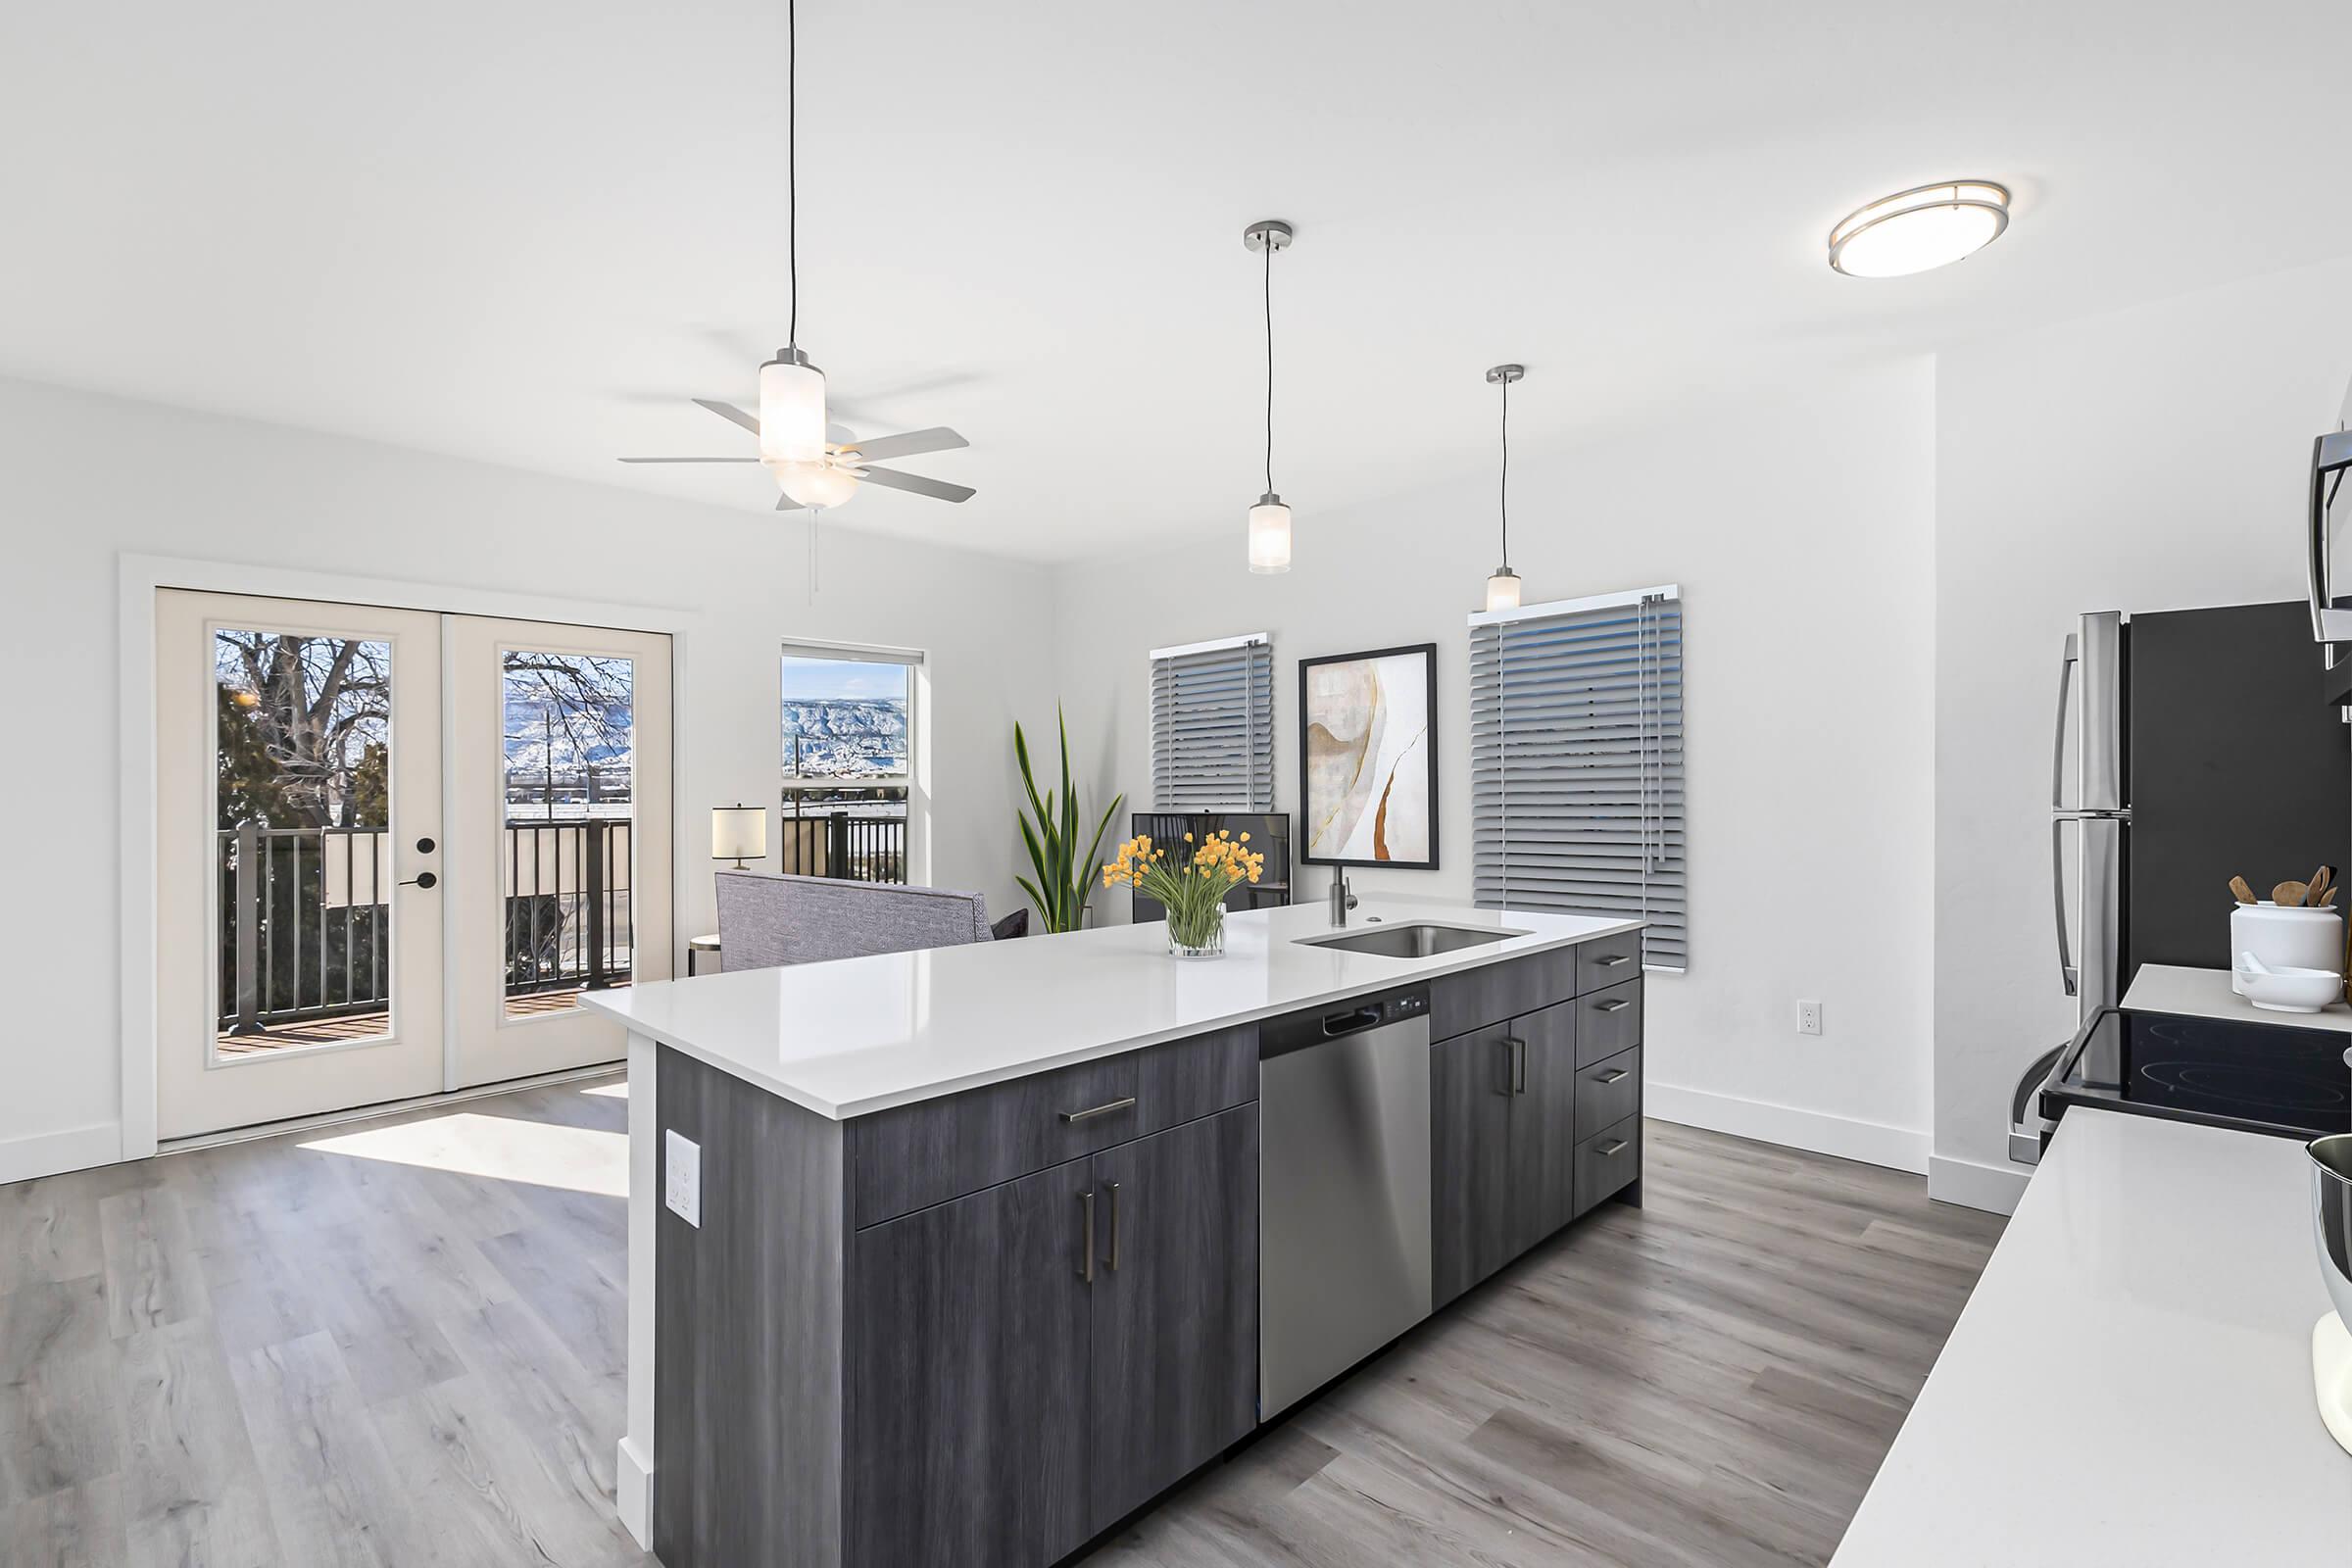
1065 878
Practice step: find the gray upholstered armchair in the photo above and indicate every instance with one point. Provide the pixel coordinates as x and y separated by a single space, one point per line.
767 920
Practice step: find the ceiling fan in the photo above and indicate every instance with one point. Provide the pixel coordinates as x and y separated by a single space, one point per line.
844 462
814 464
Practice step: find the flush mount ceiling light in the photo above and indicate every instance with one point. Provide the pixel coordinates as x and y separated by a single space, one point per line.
1269 519
1916 231
1502 589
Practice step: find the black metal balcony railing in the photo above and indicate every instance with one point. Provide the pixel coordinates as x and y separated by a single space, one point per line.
306 919
838 844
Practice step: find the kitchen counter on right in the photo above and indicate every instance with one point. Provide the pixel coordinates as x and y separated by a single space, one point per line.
2130 1382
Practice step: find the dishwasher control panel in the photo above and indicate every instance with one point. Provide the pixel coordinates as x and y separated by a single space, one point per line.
1299 1030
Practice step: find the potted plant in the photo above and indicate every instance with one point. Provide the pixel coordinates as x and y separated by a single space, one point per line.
1191 882
1061 889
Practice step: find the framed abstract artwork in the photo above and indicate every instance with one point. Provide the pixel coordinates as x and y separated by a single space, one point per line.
1368 759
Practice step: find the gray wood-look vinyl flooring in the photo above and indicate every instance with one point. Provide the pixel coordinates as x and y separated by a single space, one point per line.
400 1342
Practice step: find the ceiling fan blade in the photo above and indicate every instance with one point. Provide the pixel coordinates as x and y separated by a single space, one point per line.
785 503
690 460
916 484
731 414
939 438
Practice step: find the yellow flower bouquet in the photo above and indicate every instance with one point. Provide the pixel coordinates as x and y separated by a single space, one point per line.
1191 881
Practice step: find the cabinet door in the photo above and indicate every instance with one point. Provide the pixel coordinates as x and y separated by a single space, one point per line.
1175 1304
969 1328
1542 1125
1472 1082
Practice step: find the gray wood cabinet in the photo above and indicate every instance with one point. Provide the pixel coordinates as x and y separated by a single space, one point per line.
1470 1097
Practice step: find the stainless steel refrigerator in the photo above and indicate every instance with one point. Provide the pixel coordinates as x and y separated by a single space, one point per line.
2190 746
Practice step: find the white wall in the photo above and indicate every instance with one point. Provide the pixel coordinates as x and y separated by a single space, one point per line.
2154 458
1800 532
84 479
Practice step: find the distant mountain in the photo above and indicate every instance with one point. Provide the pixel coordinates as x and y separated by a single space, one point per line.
597 734
844 737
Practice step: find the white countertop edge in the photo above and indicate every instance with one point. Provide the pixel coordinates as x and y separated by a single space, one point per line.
2206 994
1421 970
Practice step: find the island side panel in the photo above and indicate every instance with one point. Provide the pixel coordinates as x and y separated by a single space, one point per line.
748 1308
633 1489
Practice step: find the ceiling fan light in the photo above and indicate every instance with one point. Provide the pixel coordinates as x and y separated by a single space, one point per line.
791 409
1916 231
815 484
1502 590
1270 535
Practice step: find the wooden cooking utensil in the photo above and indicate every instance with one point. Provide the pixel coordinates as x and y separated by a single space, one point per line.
2243 891
2290 895
2321 881
2326 898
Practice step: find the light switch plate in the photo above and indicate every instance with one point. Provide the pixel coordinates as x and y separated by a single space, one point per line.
682 1186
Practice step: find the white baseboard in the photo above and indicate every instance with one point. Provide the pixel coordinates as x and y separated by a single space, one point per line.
1995 1189
1817 1132
72 1149
633 1494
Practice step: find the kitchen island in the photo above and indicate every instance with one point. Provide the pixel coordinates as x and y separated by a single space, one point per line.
2130 1382
959 1260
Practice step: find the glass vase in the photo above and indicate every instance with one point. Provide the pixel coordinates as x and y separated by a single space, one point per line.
1196 936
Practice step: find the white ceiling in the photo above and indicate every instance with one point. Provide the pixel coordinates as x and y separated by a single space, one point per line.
528 231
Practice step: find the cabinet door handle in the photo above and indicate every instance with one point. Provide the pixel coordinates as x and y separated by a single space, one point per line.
1613 1075
1614 1147
1113 1189
1612 961
1086 1249
1509 1066
1518 1065
1075 1117
1613 1005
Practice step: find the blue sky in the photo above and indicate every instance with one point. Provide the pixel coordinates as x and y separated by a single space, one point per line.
815 679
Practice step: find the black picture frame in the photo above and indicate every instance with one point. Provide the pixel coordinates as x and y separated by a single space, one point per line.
1302 845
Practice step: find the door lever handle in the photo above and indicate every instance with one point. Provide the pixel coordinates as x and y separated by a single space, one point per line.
422 879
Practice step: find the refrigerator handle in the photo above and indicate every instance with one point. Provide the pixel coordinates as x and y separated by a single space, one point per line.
2066 671
2331 456
2066 956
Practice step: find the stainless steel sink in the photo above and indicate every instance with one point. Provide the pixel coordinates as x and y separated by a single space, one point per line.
1419 941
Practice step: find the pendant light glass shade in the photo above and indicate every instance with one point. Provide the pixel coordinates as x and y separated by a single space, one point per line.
1270 535
815 484
1502 589
791 409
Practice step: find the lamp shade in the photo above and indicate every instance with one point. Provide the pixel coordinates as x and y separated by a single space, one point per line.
815 484
791 409
1502 589
739 833
1270 535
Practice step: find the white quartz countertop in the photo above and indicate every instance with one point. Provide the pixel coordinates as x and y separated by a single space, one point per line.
2206 994
861 1035
2131 1383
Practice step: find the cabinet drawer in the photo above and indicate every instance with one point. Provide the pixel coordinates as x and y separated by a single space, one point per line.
1606 1161
1608 1022
1477 998
1608 1092
1186 1080
1608 960
915 1155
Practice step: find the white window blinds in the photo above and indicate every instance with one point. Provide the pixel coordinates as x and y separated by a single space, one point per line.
1212 726
1576 762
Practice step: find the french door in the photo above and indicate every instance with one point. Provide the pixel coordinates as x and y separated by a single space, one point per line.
394 849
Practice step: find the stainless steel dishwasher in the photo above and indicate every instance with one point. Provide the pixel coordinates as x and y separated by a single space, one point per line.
1343 1189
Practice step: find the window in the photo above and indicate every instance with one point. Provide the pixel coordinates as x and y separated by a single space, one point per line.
1212 726
1576 762
849 737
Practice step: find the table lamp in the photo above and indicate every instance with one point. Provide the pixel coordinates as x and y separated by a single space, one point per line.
739 833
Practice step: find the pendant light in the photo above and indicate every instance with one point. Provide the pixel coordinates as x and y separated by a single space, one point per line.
792 390
1502 588
1269 519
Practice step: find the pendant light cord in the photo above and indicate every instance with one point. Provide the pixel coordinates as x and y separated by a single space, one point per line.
1506 474
792 163
1270 363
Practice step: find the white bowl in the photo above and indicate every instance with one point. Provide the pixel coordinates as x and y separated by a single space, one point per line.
2285 939
2290 990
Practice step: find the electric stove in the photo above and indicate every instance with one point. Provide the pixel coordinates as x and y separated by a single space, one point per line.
2265 1078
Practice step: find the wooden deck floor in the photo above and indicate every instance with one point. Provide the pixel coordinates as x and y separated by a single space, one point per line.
369 1026
401 1343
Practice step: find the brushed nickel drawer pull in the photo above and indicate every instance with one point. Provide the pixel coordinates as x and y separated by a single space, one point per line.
1613 1075
1086 1248
1609 1150
1613 1005
1612 961
1098 1111
1113 1189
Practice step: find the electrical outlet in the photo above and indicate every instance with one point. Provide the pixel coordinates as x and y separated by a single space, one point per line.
1808 1018
682 1185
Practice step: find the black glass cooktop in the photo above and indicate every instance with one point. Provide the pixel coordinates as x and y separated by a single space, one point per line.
2268 1078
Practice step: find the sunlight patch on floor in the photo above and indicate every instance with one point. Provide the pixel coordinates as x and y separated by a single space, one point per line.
581 1159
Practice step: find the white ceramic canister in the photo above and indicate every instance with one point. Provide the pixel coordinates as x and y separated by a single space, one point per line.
2285 939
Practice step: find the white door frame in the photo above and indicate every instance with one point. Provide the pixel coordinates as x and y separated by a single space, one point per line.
138 577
